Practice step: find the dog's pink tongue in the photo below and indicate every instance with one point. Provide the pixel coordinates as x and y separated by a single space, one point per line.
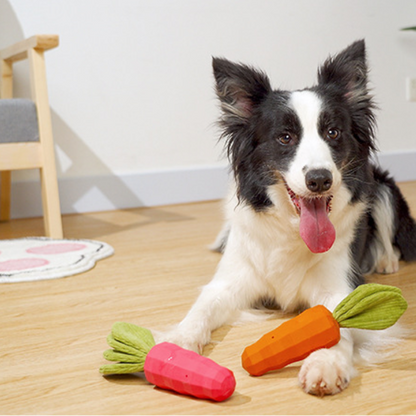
316 230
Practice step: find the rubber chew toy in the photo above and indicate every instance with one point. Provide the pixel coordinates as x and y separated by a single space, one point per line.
370 306
166 365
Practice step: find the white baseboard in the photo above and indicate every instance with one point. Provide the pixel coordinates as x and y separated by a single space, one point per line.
103 193
110 192
401 165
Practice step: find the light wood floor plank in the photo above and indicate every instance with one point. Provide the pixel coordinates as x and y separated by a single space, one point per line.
53 332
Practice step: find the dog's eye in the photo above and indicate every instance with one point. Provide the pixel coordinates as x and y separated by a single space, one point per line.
285 139
333 134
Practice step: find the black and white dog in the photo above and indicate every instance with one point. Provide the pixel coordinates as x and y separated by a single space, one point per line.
310 214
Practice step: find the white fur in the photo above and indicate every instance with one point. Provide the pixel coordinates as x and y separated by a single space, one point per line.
313 152
386 256
266 257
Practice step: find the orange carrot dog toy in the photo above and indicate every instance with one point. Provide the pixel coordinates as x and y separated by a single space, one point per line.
370 306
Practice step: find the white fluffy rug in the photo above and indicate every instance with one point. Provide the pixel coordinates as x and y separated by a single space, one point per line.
40 258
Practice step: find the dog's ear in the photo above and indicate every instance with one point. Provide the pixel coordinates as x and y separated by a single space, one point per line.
347 71
345 74
240 89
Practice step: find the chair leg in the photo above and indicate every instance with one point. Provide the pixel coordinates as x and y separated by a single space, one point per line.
5 191
49 181
50 202
6 91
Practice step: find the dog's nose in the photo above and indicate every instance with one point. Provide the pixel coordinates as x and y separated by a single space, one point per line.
318 180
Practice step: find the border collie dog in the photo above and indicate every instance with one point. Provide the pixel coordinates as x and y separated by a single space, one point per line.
309 213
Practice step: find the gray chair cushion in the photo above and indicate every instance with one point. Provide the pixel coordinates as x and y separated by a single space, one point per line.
18 121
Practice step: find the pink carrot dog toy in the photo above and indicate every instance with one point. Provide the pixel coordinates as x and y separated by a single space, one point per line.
166 365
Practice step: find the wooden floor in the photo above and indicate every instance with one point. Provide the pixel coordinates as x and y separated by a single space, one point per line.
53 332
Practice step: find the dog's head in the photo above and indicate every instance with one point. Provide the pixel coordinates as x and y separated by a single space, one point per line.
311 141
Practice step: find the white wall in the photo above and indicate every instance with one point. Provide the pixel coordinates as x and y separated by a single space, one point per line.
132 95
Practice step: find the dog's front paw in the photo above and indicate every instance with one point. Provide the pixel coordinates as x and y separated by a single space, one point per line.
389 262
325 372
177 337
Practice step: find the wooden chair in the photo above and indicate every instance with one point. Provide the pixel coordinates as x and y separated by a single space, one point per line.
21 153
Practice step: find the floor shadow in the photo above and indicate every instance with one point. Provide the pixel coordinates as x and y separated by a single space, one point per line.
216 337
96 224
399 364
127 379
